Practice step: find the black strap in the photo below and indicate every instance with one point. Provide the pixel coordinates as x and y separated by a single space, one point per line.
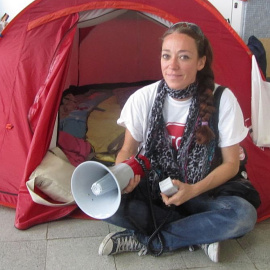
217 97
156 233
236 186
215 119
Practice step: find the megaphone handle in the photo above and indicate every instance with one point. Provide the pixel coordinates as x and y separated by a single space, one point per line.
141 162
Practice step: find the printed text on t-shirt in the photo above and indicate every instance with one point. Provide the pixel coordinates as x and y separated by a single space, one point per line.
175 131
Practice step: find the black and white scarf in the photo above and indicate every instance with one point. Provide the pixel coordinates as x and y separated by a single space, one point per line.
191 162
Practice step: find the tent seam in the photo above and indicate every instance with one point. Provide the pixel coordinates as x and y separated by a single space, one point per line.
100 4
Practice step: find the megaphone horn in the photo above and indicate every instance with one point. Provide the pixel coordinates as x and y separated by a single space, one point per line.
97 189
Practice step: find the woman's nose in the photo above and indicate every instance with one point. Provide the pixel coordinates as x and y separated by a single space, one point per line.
174 63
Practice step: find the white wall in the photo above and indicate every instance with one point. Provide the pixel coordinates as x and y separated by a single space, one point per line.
232 11
13 7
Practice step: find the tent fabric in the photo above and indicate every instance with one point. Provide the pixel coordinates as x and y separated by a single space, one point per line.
43 51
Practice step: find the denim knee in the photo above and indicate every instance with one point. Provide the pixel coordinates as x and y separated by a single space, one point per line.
245 215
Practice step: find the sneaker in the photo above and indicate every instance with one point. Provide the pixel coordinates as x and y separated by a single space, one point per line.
119 242
212 251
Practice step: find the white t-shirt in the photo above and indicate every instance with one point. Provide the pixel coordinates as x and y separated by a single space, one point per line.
137 111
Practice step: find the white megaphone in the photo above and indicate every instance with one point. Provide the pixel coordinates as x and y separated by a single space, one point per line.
97 189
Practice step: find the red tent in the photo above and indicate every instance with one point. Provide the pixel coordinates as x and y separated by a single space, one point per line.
53 44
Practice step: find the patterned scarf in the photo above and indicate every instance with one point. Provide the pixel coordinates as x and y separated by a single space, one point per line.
191 162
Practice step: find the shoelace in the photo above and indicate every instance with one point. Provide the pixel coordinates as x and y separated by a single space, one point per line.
143 251
128 244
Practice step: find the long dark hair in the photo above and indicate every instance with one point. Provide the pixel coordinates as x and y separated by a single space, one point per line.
204 77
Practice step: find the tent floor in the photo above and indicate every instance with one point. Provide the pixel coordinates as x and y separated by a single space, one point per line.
73 244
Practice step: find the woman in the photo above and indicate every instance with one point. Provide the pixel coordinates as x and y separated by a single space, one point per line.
171 121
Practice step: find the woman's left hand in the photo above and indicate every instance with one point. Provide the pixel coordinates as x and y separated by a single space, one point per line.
185 192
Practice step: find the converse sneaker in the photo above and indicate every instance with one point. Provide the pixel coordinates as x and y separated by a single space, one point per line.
119 242
212 251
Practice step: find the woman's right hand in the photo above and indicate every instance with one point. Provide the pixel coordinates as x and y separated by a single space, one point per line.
129 148
133 183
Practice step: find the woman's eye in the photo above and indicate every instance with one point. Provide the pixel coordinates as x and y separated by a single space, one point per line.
165 56
184 57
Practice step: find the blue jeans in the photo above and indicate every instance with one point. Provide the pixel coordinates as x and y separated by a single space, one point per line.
201 220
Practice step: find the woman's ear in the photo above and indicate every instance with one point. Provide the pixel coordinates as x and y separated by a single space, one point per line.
201 63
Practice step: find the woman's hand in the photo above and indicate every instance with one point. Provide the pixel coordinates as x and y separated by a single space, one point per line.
133 183
184 193
217 177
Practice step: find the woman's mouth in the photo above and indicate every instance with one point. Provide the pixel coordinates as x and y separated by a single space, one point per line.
174 76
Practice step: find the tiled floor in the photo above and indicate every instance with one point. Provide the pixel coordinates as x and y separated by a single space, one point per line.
73 244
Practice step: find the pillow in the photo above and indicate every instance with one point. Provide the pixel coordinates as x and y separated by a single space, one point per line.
53 178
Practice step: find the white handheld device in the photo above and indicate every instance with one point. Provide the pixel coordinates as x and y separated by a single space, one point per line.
167 187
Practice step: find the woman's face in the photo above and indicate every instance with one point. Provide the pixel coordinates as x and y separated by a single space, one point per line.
180 61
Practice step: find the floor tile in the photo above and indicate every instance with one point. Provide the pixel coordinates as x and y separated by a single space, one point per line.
231 257
262 266
23 255
77 254
131 261
256 244
9 233
68 228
